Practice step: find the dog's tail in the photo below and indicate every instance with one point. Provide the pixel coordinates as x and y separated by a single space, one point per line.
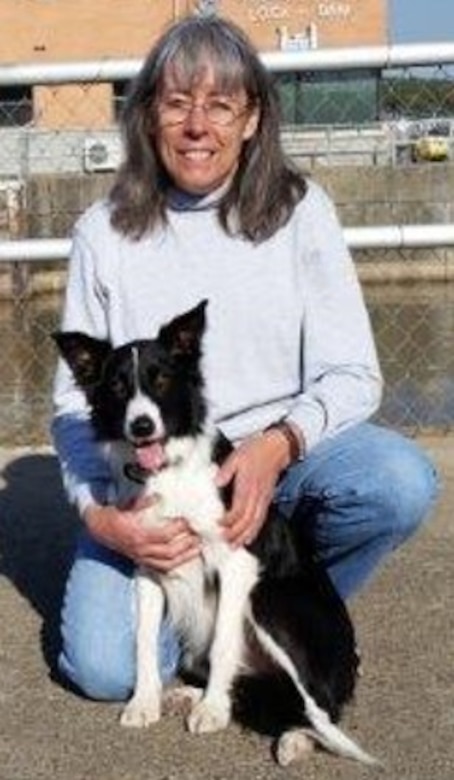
323 730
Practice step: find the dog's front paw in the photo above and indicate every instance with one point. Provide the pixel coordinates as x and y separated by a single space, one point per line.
141 712
293 745
209 715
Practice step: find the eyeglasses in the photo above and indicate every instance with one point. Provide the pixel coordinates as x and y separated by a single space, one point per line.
175 111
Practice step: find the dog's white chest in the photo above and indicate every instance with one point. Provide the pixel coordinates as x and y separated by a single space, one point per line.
187 489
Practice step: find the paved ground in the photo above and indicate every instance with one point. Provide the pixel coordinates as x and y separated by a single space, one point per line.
404 711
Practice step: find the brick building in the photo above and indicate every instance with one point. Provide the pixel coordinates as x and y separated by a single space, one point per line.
48 30
51 31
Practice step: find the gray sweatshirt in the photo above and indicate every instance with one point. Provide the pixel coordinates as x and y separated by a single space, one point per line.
288 334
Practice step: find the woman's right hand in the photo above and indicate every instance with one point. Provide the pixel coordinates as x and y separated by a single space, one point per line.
162 547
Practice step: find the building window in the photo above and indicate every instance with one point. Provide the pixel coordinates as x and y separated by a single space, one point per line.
16 106
328 97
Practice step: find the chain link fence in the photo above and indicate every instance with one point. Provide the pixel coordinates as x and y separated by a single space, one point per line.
413 324
380 139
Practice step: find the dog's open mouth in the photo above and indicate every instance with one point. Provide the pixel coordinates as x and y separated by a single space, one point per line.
149 459
150 455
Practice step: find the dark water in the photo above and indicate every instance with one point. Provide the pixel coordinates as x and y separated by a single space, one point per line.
413 324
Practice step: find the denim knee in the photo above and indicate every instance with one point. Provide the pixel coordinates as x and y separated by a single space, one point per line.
367 482
361 494
98 626
105 669
99 672
408 486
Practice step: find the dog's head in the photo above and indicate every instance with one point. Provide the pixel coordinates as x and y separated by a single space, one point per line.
144 392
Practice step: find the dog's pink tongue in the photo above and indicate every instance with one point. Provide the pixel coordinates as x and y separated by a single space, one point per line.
151 457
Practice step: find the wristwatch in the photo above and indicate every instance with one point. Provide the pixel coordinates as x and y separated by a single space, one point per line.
295 442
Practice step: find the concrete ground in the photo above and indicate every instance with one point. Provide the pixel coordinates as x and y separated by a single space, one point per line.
404 709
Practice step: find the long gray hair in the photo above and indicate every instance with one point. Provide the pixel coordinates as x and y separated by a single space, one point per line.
265 188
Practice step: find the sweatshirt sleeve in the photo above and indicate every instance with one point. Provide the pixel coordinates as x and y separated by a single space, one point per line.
85 473
342 382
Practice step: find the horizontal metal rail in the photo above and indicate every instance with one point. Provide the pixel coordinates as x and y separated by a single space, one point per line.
380 237
400 236
34 249
104 70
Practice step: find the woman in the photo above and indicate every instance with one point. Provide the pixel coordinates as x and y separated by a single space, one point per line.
206 206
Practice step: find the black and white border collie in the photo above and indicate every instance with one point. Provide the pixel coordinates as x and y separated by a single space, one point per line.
263 619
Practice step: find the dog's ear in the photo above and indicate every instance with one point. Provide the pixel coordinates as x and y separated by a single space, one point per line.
84 355
182 336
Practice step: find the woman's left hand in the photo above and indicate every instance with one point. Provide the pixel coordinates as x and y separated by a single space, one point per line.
253 470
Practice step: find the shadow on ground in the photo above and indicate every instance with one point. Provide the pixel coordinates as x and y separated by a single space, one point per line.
37 531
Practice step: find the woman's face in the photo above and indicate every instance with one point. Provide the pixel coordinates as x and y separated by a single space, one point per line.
201 131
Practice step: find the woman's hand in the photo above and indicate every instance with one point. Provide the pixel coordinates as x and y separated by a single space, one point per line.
162 548
253 469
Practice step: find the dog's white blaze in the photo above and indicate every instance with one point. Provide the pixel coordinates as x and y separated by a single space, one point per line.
324 730
140 404
135 368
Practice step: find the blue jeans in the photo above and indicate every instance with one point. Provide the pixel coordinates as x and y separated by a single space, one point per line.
363 492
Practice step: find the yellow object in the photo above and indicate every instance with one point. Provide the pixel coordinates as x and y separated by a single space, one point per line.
432 148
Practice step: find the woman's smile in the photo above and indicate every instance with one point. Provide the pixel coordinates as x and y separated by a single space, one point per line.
199 152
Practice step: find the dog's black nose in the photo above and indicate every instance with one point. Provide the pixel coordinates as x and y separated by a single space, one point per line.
142 427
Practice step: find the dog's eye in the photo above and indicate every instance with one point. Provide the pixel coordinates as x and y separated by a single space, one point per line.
119 388
162 384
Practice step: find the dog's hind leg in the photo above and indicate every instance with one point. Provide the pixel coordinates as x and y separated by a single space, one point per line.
238 575
145 706
322 729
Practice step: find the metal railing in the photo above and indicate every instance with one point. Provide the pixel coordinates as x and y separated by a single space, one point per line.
107 70
379 237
